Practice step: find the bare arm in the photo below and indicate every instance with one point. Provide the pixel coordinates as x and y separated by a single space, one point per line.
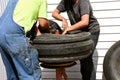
79 25
56 15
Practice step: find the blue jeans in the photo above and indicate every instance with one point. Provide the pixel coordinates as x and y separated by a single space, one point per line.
19 57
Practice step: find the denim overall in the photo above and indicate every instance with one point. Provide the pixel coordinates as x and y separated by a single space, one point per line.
19 57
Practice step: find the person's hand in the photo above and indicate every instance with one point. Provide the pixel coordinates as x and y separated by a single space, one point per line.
66 30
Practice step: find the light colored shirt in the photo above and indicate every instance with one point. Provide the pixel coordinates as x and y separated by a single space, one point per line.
27 12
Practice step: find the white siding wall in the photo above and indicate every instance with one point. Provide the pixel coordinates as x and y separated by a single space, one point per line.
108 15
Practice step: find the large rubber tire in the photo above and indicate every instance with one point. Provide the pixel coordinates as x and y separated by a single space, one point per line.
54 48
56 45
63 59
111 64
57 39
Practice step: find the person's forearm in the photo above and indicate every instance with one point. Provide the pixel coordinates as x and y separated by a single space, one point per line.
81 24
78 25
59 17
56 15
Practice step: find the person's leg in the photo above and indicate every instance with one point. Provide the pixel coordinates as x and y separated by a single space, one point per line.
7 60
12 75
25 57
61 72
58 74
87 66
64 74
27 64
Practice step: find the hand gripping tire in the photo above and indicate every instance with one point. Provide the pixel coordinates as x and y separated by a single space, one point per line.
111 64
54 48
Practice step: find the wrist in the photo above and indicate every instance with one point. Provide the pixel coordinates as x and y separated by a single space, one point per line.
64 20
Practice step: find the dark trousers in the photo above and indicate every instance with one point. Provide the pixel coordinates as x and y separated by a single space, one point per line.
87 66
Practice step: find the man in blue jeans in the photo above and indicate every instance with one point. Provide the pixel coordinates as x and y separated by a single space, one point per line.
19 57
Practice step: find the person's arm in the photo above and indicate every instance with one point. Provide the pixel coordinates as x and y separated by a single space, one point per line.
42 16
56 15
85 10
79 25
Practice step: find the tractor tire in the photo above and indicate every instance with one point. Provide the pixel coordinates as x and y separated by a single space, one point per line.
63 59
53 48
52 44
111 64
